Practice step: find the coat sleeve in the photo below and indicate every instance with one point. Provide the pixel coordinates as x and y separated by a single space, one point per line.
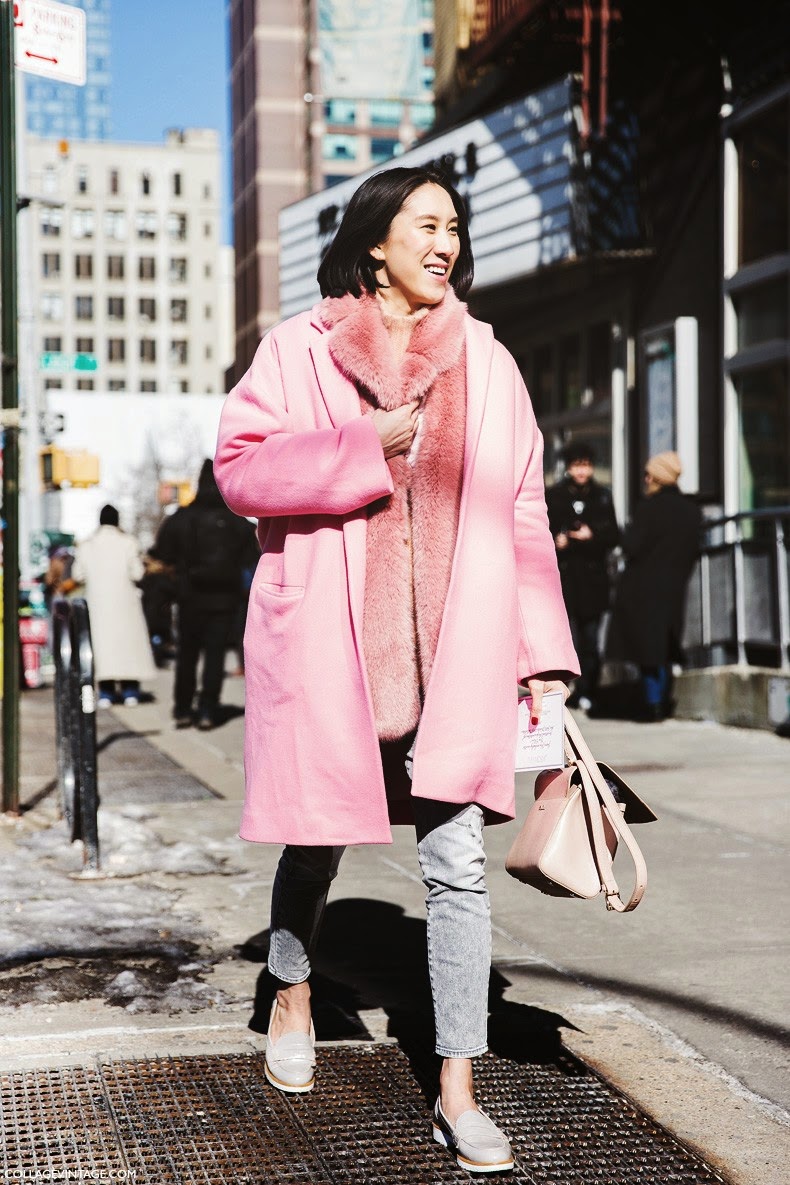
264 468
545 639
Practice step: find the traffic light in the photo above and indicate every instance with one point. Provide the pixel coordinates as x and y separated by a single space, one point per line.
175 493
60 468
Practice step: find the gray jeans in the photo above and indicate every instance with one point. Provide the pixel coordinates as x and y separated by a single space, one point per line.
452 858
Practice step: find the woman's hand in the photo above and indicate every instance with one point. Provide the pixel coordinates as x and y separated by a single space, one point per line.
540 685
396 428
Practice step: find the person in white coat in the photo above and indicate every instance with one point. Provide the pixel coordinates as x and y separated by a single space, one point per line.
109 564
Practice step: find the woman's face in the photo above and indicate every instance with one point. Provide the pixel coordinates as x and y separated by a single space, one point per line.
420 250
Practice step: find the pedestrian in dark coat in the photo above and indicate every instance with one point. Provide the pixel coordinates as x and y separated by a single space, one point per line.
583 523
207 546
661 546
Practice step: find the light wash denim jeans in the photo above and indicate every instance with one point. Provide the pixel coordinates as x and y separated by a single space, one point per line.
452 858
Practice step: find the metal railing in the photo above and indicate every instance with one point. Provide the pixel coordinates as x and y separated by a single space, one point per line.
738 603
75 724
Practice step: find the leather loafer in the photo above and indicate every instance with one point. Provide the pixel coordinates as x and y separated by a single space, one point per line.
289 1063
478 1144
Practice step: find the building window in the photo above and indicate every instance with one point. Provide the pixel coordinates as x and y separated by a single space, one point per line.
207 312
82 179
83 308
83 267
53 345
206 192
53 384
115 267
178 353
116 308
115 224
116 385
422 115
145 222
178 310
114 183
177 270
570 372
764 183
207 271
146 267
146 308
148 386
50 265
177 227
385 114
381 149
341 112
51 306
145 184
116 349
207 228
762 312
183 386
85 384
209 353
176 185
49 182
338 147
82 224
147 349
764 414
50 222
83 345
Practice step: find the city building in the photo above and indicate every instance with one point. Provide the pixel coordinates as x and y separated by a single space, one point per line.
320 92
129 278
57 110
628 183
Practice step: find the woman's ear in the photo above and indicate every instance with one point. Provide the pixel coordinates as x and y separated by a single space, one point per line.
377 253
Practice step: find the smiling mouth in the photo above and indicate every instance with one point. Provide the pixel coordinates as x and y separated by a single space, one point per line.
436 269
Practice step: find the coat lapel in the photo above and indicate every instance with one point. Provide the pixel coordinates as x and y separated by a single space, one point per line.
338 393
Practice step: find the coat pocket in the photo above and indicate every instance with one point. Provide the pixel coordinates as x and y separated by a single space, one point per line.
267 591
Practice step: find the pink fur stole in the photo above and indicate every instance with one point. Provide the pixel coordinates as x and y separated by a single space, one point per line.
411 533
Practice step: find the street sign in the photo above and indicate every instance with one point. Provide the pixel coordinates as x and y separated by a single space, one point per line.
64 363
50 40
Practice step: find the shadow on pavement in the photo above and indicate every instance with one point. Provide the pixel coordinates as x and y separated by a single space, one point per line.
372 956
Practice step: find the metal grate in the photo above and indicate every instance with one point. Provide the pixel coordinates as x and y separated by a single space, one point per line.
215 1120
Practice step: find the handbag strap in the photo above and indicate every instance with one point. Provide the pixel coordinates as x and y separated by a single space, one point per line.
597 792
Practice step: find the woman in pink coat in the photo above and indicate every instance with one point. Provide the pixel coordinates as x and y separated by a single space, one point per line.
408 581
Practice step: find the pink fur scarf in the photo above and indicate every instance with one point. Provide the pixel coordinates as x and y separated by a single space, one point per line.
412 532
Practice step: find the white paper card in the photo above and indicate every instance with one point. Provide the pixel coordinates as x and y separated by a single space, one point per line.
541 746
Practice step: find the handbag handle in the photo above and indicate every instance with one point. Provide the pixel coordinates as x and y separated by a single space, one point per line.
596 790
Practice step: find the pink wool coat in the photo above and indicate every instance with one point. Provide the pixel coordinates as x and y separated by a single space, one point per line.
295 451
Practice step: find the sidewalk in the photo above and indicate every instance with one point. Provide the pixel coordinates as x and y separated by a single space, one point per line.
680 1005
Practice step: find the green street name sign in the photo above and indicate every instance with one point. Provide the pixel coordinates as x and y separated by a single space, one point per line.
64 363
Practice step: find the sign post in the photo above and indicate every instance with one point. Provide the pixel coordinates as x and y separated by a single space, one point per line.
10 413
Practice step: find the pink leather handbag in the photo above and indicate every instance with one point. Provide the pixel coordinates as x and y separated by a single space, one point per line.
567 844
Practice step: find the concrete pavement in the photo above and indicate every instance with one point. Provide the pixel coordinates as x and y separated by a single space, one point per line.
680 1004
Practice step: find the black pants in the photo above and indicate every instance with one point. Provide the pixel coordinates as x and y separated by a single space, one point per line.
206 633
584 631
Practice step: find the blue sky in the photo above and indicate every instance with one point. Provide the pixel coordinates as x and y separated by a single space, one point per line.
169 69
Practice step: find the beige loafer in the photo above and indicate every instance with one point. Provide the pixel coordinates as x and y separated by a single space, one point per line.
478 1144
289 1063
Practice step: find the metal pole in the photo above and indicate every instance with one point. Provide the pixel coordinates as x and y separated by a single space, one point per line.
782 594
10 413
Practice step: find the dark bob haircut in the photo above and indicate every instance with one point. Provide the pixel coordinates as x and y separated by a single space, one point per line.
348 265
578 450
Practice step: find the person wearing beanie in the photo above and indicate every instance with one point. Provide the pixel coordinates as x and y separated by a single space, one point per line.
208 547
661 546
584 527
109 565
